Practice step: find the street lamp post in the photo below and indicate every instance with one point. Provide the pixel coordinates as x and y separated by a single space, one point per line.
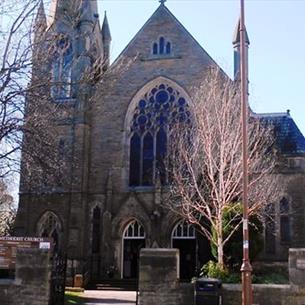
246 269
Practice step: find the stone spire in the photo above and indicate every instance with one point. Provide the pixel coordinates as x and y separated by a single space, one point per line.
106 35
236 46
40 24
39 28
106 29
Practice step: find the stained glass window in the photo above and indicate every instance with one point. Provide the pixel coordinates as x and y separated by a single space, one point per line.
156 112
61 69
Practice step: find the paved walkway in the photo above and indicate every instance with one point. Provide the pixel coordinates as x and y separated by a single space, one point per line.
99 297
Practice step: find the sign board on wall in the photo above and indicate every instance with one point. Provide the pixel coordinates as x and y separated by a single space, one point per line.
9 245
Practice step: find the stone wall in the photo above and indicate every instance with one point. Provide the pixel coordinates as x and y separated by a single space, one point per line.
158 279
297 267
159 282
32 282
265 294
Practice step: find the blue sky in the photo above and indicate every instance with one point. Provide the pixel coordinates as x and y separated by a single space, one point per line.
276 30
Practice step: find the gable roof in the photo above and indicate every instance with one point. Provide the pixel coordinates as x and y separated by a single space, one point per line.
289 138
163 14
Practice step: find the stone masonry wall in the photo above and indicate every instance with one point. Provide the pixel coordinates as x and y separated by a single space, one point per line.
32 283
158 280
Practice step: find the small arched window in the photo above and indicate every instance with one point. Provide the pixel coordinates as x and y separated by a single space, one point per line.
62 69
161 45
49 226
156 112
284 220
168 48
155 48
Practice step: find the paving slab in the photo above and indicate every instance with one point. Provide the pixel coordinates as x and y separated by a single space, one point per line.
98 297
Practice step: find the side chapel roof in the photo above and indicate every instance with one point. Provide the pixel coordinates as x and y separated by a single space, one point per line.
289 138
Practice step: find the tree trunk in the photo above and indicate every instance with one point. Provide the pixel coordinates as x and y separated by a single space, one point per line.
220 252
220 241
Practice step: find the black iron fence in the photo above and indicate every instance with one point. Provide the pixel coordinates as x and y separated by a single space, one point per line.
58 279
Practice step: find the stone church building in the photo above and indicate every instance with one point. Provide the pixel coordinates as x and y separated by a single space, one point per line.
110 205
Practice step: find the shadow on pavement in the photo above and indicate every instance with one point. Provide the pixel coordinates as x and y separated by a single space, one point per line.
78 299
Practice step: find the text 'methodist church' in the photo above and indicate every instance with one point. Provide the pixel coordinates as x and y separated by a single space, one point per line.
112 207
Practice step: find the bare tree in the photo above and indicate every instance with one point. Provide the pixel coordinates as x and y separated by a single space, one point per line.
206 163
7 210
15 74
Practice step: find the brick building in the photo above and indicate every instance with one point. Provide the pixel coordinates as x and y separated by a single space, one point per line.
110 206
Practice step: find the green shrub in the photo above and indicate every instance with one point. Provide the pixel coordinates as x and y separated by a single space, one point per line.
233 249
214 270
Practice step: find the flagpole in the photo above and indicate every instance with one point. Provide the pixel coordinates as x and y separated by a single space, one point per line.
246 269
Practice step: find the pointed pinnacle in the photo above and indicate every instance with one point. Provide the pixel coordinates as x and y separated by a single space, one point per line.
236 35
106 29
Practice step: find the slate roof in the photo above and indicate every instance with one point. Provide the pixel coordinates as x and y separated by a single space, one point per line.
289 138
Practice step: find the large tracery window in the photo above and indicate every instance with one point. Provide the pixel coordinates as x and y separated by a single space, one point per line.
62 69
156 112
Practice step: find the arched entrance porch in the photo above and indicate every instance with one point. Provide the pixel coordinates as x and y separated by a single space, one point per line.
194 248
184 239
132 242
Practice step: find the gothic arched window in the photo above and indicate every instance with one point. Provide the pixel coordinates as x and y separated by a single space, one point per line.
284 220
49 226
161 45
155 48
168 48
96 228
62 68
156 112
270 229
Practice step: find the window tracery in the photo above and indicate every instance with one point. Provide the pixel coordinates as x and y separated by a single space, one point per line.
158 110
62 68
49 226
184 230
134 231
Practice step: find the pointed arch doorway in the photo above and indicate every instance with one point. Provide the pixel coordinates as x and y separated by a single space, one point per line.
184 239
132 242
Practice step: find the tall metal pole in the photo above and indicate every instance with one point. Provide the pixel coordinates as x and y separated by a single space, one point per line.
246 269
